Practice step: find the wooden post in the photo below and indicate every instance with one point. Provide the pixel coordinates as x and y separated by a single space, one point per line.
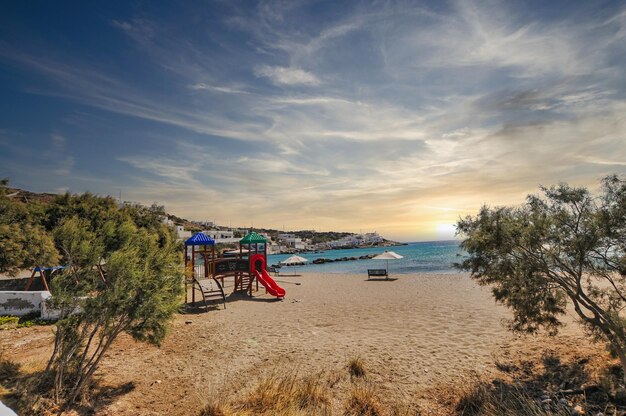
43 279
213 261
206 261
193 271
251 268
30 279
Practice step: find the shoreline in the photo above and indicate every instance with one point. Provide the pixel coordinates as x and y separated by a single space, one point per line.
431 257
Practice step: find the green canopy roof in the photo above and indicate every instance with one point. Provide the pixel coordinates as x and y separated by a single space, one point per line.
252 238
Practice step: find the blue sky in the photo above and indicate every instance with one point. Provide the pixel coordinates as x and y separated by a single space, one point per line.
396 117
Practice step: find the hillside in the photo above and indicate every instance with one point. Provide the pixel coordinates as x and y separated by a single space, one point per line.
315 236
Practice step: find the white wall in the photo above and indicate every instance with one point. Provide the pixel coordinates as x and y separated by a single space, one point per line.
5 411
20 303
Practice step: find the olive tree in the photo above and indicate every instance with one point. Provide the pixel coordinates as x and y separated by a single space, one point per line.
563 247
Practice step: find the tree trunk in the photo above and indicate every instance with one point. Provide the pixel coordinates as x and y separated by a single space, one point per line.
622 359
90 368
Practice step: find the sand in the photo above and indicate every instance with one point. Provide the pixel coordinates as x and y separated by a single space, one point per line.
412 333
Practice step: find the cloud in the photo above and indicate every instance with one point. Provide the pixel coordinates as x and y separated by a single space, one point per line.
286 76
225 90
56 158
88 86
64 165
420 114
174 170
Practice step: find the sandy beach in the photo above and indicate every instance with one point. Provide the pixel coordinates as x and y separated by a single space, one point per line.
413 333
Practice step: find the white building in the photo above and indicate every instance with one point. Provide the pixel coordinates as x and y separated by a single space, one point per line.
292 241
372 238
182 233
357 240
222 236
273 247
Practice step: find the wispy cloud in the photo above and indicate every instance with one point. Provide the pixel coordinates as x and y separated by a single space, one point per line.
286 76
57 158
215 88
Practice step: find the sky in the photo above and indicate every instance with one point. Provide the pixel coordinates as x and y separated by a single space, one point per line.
390 116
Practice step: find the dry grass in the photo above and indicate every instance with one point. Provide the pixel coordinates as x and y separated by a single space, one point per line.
24 388
560 381
356 367
285 393
363 401
529 387
215 409
495 400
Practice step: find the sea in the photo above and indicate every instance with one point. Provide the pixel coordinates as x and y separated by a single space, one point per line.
421 257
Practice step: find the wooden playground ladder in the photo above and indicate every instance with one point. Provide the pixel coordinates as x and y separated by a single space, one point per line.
244 283
211 293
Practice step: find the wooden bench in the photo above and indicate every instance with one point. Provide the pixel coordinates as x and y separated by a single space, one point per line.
377 273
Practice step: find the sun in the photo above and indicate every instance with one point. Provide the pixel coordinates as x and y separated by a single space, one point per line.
446 231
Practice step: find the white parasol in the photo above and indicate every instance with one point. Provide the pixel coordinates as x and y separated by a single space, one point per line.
388 255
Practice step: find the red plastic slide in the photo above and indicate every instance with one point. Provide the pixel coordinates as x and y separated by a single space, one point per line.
269 284
257 266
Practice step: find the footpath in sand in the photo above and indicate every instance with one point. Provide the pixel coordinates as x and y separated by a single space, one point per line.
412 333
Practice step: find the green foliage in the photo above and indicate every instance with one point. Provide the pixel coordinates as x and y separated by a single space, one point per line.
26 321
123 275
8 322
23 243
27 230
122 280
23 246
80 246
498 241
91 208
566 245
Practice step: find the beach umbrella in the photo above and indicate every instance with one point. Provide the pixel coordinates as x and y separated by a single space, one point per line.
236 252
388 255
294 261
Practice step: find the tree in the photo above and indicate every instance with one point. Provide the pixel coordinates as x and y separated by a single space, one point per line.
123 274
135 288
23 242
566 246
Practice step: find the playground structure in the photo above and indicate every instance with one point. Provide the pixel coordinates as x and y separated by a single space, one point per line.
205 272
45 274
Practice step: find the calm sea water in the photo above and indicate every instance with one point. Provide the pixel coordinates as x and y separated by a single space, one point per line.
424 257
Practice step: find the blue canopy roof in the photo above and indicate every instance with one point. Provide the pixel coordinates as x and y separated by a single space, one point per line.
200 239
45 269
